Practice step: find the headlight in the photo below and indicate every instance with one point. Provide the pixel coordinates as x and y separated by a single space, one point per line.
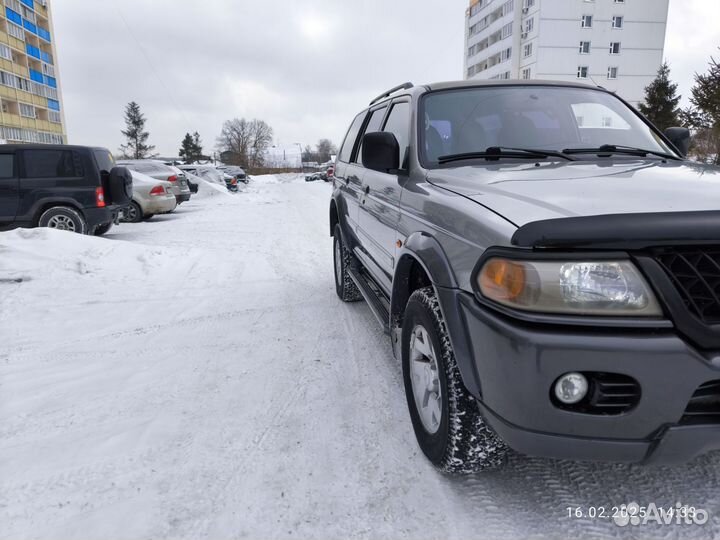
577 288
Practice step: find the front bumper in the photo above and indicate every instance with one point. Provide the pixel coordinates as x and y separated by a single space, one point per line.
517 364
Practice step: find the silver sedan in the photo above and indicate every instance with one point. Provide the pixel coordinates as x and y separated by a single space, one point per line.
150 197
159 171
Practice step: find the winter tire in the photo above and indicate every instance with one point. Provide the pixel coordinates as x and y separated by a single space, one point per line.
101 230
446 418
63 218
345 287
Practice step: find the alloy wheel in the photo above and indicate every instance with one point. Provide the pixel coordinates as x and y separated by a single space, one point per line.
425 380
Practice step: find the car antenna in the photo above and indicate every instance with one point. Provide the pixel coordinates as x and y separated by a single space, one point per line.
593 81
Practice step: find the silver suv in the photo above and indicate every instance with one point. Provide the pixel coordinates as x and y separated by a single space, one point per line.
547 265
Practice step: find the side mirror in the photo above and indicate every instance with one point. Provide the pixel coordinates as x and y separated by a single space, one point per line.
380 152
680 137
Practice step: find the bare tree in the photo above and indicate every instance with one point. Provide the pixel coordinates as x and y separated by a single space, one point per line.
246 141
261 135
325 150
235 139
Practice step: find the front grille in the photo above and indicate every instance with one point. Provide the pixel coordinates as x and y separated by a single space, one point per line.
695 272
704 406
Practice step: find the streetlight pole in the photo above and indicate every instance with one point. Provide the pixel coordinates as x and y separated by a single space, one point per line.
302 169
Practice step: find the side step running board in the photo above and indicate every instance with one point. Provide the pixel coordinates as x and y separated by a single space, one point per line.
373 297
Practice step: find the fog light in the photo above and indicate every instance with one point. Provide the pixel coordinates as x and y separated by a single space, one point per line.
571 388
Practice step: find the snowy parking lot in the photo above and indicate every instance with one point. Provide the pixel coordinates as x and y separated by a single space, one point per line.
196 377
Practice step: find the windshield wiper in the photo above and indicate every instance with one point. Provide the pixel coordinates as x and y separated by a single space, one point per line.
609 149
494 153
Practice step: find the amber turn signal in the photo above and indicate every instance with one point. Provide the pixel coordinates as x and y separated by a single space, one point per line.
502 280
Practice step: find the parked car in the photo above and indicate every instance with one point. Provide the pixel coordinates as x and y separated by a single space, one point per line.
159 171
150 197
314 177
71 188
193 181
211 174
237 172
545 261
194 187
231 182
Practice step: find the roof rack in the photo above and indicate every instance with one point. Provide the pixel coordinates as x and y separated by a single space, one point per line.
404 86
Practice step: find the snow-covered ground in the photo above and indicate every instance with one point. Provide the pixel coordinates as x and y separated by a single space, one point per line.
196 377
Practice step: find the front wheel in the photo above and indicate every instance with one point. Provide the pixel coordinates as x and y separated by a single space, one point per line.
345 287
446 418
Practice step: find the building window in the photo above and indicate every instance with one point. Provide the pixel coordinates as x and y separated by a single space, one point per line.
619 1
617 21
528 50
615 47
612 73
586 21
15 31
528 4
507 31
28 111
54 117
506 54
6 52
529 25
582 72
584 47
526 73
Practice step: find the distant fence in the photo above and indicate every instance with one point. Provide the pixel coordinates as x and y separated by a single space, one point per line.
267 170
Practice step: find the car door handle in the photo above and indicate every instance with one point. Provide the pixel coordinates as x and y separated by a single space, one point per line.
367 190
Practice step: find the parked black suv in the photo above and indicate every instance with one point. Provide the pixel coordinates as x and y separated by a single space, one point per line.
547 264
73 188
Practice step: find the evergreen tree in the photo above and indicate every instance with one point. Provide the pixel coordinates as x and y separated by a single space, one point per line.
197 149
137 137
187 149
705 115
661 100
706 92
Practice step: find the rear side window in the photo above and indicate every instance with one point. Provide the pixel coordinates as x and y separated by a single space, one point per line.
7 165
349 144
52 164
104 160
373 126
398 124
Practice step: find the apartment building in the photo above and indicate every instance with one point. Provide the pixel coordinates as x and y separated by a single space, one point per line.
30 100
617 44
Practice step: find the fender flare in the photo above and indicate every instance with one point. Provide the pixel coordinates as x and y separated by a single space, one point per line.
426 251
47 202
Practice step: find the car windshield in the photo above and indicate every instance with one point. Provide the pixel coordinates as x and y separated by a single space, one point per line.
553 118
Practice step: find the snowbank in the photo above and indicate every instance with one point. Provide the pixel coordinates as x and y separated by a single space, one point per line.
51 255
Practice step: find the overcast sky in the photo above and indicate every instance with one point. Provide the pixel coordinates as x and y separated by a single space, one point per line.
304 67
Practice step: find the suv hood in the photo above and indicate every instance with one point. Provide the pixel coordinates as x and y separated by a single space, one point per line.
526 192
